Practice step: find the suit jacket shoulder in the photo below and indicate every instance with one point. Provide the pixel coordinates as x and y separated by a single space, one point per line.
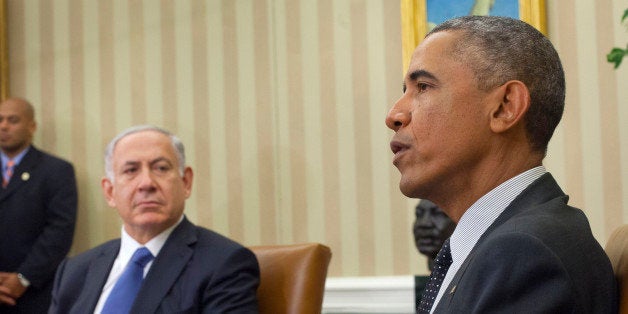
196 271
539 256
79 280
199 270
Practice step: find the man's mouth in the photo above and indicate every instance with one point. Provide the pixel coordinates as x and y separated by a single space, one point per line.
147 204
396 147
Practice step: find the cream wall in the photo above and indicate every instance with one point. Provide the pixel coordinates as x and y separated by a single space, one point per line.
281 105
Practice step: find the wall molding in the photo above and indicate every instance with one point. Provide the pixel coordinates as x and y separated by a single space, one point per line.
381 294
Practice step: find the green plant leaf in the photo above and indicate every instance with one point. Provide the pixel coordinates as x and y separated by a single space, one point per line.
625 16
615 56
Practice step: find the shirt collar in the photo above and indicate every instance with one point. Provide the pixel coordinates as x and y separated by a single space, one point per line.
17 159
128 245
476 220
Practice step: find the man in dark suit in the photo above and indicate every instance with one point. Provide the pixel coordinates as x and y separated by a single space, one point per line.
188 269
38 201
481 100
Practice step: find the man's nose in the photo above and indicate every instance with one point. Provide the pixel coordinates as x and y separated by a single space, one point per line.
146 181
398 116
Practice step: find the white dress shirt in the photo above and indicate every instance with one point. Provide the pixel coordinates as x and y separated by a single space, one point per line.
479 217
128 246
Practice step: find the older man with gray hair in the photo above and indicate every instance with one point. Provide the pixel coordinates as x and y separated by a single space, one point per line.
162 263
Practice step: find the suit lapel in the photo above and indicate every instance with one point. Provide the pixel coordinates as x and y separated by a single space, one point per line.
22 172
166 268
96 278
540 191
443 304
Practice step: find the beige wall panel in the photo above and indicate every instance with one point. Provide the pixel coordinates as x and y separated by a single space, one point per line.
199 118
312 118
62 91
248 118
346 139
281 79
379 138
587 90
216 123
621 77
266 126
609 122
120 26
329 130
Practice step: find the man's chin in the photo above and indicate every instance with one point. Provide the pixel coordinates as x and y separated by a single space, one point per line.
149 219
411 186
407 189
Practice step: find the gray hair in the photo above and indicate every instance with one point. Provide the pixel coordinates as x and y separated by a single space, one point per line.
174 140
499 49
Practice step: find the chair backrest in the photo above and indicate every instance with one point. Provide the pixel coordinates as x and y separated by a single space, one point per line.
617 251
292 277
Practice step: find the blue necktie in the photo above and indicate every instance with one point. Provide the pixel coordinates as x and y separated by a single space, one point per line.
123 293
441 265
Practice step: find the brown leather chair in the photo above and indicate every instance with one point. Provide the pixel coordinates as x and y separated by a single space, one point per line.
617 250
292 277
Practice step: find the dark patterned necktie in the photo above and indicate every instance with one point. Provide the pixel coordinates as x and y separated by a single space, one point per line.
441 265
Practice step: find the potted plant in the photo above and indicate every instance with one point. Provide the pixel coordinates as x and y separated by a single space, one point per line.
617 54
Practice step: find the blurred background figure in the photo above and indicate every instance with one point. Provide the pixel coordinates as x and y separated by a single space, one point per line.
38 203
431 228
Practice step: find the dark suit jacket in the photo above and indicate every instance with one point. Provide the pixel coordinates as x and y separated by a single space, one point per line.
196 271
539 256
37 219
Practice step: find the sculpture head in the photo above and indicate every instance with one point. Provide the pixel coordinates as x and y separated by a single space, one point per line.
431 228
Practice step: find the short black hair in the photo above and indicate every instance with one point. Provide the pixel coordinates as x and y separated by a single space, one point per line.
499 49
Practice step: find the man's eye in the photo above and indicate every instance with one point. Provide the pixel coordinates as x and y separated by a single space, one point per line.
422 87
162 168
129 170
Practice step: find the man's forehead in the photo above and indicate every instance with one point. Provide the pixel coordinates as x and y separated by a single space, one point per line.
144 144
16 111
435 56
143 137
440 44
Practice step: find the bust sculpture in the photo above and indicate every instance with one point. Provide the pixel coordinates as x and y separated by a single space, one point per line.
431 228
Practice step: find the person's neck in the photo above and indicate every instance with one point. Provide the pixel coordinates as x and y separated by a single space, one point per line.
460 194
11 154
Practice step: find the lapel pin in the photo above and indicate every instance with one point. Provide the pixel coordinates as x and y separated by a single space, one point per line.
25 176
453 289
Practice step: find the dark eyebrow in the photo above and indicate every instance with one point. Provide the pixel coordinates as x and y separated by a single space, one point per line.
160 159
415 75
421 73
152 162
131 163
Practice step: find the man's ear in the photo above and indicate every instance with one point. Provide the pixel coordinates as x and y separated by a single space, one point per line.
107 191
188 177
514 104
32 127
